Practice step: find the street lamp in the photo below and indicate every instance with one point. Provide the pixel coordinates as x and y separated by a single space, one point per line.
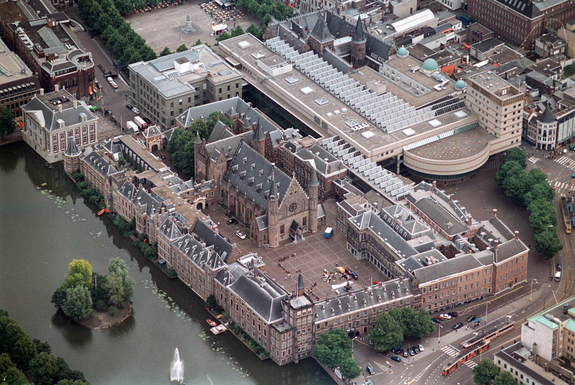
486 310
531 293
439 336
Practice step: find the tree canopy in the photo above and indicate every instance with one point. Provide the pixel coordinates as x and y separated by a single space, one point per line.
78 304
484 372
398 324
79 273
504 378
533 190
334 348
7 122
119 282
386 333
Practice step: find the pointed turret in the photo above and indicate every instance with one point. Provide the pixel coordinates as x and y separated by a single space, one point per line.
359 32
358 45
72 149
71 156
258 141
547 116
313 178
300 285
198 140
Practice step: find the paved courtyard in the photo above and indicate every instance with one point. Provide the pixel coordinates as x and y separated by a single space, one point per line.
163 27
312 256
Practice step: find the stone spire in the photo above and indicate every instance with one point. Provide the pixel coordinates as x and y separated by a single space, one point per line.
258 133
258 141
300 285
547 116
359 33
198 140
72 149
313 178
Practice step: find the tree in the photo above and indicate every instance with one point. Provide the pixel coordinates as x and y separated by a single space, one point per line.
333 347
14 376
211 302
72 382
484 372
119 282
79 273
42 346
43 369
254 30
386 333
325 356
424 326
182 48
212 120
547 243
349 368
238 31
5 363
59 296
10 333
7 123
504 378
22 352
165 51
517 155
223 36
198 42
78 303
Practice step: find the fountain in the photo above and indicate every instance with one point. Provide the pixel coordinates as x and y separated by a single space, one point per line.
177 368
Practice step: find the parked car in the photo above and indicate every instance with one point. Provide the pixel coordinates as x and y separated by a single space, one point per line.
405 354
396 358
135 110
420 346
385 353
147 121
454 314
416 349
435 321
396 349
411 352
72 24
354 275
558 267
240 235
470 318
446 316
232 221
457 326
438 317
129 106
370 370
399 352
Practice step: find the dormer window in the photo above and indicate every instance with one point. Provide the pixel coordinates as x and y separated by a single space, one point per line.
235 167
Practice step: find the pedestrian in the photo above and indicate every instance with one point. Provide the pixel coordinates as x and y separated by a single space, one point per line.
466 328
285 278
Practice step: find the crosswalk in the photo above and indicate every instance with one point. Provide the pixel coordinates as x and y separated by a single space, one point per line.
450 350
566 162
470 364
533 159
561 187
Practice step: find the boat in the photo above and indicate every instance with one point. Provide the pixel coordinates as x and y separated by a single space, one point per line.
103 211
218 329
211 323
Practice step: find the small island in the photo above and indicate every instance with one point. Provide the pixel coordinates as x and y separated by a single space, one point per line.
93 300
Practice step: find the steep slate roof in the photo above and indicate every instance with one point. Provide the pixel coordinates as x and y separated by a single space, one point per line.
440 216
262 294
405 219
145 202
127 190
152 131
509 249
197 253
320 31
258 133
99 164
170 230
228 146
446 268
49 118
220 131
361 299
211 238
250 173
524 7
230 274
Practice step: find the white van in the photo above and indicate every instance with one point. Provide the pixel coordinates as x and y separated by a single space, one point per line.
558 276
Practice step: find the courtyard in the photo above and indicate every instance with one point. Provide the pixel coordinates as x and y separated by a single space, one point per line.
310 256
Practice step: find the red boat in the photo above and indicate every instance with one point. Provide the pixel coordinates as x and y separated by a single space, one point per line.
211 322
103 211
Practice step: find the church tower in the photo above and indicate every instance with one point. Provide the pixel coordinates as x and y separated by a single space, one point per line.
71 157
358 45
200 164
300 285
313 188
273 226
259 140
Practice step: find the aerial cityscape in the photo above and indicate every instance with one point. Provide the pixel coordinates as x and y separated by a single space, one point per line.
275 192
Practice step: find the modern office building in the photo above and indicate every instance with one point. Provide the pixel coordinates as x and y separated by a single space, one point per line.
165 87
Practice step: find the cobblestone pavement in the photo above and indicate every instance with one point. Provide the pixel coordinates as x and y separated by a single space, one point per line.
312 256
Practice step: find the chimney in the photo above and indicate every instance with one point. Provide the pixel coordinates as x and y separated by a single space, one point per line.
451 197
75 104
434 183
495 244
494 213
516 235
469 220
41 91
56 87
60 108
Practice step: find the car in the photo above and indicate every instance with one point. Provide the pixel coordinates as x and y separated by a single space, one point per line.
232 221
397 349
399 352
558 267
453 314
457 326
471 318
240 235
405 354
147 121
370 370
354 275
438 317
385 353
72 24
416 349
420 346
411 352
129 106
135 110
396 358
435 321
446 316
572 175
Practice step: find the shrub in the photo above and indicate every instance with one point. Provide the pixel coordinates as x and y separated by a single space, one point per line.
77 176
101 306
171 273
113 310
82 185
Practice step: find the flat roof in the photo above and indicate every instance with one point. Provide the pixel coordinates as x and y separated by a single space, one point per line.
458 146
12 68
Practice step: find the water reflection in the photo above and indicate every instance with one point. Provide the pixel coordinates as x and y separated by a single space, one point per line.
124 328
76 335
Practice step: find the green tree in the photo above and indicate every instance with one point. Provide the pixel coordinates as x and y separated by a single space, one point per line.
13 376
539 191
423 326
504 378
484 372
65 373
326 356
72 382
59 296
211 302
5 363
78 303
238 31
508 169
547 243
517 155
182 48
349 368
125 7
386 333
199 125
79 273
198 42
7 122
223 36
212 120
10 333
119 282
22 352
254 30
42 346
165 51
43 369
